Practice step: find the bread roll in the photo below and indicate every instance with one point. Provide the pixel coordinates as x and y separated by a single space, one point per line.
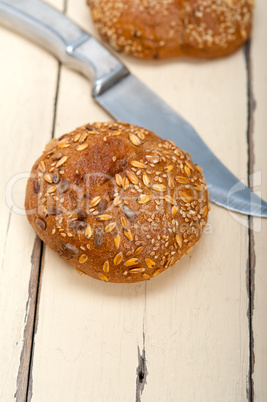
116 201
160 29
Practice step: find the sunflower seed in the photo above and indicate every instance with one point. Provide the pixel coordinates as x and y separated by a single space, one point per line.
131 215
81 214
98 239
63 186
56 157
77 225
70 249
102 206
40 223
89 127
36 186
55 178
54 210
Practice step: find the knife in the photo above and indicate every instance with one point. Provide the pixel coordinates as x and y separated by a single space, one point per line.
124 96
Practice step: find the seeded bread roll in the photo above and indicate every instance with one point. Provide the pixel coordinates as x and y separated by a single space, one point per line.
160 29
116 201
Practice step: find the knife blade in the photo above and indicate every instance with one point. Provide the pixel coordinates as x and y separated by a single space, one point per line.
124 96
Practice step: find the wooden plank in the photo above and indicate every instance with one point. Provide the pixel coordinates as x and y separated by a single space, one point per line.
258 60
196 322
190 324
27 107
87 331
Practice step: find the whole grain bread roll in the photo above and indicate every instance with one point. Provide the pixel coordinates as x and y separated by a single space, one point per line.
116 201
161 29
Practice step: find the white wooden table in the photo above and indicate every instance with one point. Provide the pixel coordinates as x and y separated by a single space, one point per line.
196 333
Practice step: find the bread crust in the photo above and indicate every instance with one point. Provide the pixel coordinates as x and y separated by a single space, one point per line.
160 29
116 201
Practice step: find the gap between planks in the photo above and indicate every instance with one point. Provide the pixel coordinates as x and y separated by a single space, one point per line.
35 323
24 376
141 370
30 320
251 246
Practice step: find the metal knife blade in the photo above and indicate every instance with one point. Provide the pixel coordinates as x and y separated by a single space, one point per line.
143 107
124 96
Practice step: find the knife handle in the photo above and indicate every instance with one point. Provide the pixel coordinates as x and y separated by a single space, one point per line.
74 47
